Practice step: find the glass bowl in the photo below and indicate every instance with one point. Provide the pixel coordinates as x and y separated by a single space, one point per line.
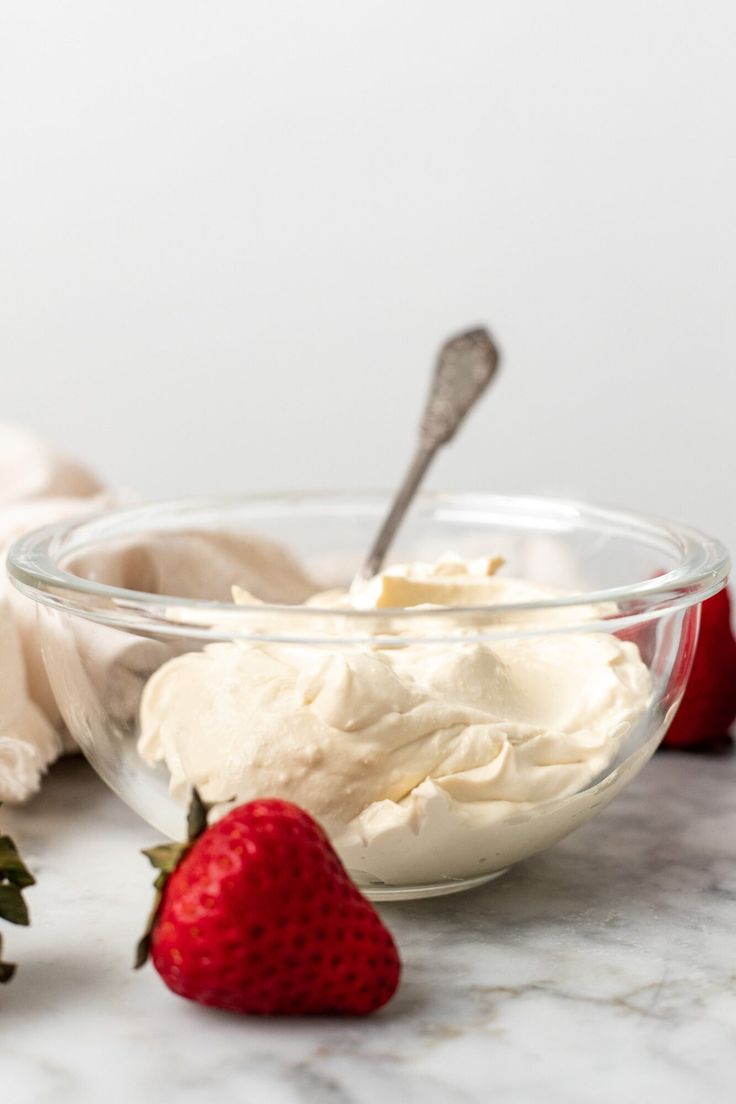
625 583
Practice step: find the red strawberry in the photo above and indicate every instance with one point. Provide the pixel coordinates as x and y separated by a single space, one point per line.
258 915
708 708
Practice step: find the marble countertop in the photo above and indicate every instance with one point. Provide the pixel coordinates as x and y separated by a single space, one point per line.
602 970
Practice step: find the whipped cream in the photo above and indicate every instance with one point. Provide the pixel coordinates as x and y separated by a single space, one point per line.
420 760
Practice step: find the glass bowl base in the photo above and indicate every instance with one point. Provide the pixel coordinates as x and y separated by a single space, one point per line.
380 891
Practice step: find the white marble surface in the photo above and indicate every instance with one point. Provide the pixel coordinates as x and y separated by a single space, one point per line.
600 971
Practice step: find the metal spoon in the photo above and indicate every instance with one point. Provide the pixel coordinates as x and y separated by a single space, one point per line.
465 366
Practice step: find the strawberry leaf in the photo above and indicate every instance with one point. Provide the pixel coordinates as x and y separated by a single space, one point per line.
143 946
14 878
12 905
197 818
165 857
12 867
7 969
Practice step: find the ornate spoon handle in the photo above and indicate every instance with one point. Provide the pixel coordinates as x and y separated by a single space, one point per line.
465 366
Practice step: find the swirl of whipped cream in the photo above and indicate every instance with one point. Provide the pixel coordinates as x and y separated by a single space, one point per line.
412 757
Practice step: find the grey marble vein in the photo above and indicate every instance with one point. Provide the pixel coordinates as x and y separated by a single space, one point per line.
601 970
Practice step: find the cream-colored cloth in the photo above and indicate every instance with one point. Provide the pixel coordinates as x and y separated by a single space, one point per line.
28 741
39 486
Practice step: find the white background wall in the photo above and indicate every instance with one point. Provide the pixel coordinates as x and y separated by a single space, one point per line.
234 231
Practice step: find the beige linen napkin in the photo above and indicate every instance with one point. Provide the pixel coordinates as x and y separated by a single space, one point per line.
39 486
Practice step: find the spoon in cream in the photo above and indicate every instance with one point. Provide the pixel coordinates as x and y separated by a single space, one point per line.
465 366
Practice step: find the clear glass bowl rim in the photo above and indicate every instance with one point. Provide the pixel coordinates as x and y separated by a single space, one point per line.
33 565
